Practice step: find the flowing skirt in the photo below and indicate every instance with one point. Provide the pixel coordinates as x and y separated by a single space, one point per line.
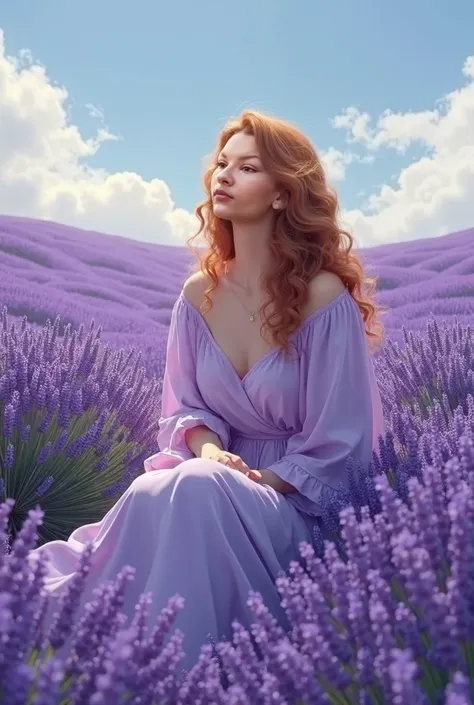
199 530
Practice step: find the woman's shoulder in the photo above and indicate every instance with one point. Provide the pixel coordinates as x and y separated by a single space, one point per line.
194 288
324 288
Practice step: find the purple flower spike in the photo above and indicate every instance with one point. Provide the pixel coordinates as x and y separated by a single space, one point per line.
157 680
26 433
461 553
102 464
202 682
44 453
8 420
6 616
18 685
162 628
402 674
48 683
241 663
458 690
68 602
9 457
110 683
295 675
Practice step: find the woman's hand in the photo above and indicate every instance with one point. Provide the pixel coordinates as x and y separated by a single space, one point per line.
233 461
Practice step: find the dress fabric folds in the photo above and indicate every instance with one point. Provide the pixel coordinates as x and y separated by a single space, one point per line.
193 527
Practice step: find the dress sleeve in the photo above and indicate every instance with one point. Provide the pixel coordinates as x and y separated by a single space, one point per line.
340 407
182 406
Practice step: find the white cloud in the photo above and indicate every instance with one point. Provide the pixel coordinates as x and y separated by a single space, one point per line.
335 163
433 195
45 169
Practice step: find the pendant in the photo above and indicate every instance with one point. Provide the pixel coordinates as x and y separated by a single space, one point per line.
252 317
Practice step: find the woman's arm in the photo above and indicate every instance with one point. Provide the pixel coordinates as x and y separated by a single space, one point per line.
341 415
202 442
183 407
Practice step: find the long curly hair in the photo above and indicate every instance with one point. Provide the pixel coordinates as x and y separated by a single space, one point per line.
307 237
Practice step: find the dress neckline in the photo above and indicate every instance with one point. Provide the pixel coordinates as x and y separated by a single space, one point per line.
309 320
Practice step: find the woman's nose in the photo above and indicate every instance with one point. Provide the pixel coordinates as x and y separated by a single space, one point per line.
224 177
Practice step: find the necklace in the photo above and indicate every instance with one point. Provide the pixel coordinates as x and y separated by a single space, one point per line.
252 314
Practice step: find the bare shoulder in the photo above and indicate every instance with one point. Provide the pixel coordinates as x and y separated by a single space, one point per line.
323 288
194 288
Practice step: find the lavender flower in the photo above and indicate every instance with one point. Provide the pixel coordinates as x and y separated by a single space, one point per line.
48 683
68 602
402 674
458 690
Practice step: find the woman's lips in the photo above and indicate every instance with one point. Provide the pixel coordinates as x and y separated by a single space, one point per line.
221 195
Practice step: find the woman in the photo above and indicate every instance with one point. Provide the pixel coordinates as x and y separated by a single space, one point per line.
268 389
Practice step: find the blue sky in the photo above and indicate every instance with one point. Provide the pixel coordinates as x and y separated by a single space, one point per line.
167 75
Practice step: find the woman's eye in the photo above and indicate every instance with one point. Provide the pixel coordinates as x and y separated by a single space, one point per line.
250 169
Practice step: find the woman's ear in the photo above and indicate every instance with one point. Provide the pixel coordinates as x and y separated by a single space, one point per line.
280 202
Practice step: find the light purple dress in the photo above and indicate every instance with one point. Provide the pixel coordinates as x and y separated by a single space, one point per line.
209 533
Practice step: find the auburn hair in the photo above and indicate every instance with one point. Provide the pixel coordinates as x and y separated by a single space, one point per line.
307 237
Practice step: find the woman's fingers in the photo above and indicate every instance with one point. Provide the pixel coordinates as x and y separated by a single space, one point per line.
255 475
231 461
244 468
236 463
239 463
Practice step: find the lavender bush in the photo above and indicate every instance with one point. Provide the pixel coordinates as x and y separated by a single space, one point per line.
392 622
427 390
77 419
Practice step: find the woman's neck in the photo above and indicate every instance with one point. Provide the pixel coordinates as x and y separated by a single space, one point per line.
252 256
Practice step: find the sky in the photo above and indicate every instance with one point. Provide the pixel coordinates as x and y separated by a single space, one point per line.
109 110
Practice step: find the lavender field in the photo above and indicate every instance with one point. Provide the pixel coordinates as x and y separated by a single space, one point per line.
381 614
128 287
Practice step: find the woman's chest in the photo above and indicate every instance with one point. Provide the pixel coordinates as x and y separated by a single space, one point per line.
272 389
239 337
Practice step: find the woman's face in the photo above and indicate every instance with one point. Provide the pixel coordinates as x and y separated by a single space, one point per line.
251 191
